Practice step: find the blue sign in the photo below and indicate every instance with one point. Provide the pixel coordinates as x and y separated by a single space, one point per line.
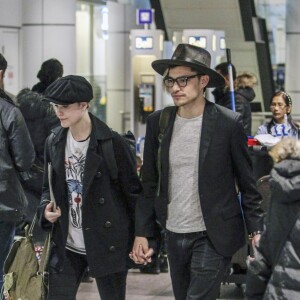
144 16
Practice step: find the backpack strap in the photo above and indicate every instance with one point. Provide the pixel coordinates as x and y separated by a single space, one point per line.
163 124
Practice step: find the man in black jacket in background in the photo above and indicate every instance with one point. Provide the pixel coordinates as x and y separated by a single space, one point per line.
16 155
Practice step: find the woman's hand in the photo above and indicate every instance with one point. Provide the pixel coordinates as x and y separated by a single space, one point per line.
52 214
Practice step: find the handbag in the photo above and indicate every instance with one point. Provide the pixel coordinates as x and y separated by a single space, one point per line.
25 276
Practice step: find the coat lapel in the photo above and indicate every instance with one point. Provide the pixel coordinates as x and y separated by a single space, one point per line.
210 117
92 163
100 132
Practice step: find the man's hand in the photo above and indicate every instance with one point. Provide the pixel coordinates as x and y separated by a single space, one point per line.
51 215
255 240
141 253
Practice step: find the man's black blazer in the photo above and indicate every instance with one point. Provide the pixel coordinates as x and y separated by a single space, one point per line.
224 165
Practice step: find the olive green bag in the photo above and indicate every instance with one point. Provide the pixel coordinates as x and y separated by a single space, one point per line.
25 278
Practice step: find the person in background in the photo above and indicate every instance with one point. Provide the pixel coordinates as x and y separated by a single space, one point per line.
51 70
282 123
204 154
40 119
243 93
94 218
274 272
16 155
221 93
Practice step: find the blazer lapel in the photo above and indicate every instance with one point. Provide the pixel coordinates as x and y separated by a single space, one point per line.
210 117
165 147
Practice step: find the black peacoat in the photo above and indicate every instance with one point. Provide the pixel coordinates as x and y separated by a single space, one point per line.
108 207
224 161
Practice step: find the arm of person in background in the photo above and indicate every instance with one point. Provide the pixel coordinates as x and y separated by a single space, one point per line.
251 199
259 271
21 146
47 212
145 212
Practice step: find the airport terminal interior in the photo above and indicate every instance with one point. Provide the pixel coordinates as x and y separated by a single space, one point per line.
113 42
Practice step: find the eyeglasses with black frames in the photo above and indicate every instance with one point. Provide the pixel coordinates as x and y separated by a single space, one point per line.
181 81
280 105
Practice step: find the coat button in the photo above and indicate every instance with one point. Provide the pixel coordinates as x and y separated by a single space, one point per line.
112 248
99 174
101 201
107 224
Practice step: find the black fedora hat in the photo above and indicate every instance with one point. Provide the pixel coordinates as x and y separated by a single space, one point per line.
190 56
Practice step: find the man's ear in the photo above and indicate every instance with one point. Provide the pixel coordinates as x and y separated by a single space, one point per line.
204 80
1 78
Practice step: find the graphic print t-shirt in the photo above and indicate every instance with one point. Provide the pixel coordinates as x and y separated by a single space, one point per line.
75 154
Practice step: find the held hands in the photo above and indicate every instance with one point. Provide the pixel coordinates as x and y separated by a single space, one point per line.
255 240
50 214
254 243
141 253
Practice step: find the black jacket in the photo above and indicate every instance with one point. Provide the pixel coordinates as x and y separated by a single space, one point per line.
274 274
40 119
108 207
16 155
243 97
223 160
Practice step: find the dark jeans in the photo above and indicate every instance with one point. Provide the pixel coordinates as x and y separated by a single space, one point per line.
7 233
64 285
195 266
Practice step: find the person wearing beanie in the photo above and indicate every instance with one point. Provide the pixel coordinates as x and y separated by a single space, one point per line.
51 70
204 158
92 216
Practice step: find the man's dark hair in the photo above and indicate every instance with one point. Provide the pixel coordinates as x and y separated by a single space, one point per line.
51 70
3 63
223 68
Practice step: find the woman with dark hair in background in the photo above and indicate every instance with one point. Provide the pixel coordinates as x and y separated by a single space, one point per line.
281 123
51 70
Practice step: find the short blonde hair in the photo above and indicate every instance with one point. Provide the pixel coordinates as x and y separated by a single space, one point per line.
286 148
244 80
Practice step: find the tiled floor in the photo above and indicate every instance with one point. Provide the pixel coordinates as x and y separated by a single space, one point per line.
151 287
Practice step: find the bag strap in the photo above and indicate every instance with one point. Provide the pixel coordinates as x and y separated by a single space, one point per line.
163 124
45 254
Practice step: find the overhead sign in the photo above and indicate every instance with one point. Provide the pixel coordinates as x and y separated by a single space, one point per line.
199 41
144 16
144 42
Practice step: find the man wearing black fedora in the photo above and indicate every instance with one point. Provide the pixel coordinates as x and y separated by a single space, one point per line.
94 214
204 157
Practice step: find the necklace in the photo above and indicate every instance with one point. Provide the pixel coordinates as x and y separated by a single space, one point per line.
78 147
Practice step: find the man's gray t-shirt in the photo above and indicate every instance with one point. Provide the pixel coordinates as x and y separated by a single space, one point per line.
184 210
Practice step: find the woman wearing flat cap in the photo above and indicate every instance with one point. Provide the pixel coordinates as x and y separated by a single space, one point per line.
92 215
204 154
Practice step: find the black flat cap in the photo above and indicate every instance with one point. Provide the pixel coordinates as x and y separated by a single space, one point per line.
69 89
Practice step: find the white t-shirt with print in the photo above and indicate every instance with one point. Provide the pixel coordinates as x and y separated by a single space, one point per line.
75 155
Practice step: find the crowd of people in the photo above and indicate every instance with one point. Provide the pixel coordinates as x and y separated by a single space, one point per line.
107 217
